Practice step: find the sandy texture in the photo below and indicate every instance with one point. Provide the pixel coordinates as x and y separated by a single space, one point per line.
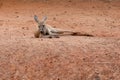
23 57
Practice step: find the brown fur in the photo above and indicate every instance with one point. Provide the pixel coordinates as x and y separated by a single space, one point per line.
81 34
37 34
50 32
75 34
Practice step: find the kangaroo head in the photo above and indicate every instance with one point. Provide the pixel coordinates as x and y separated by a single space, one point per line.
41 23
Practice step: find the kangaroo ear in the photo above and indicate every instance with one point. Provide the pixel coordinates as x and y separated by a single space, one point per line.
44 19
36 19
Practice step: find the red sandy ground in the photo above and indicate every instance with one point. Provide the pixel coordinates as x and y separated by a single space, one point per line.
23 57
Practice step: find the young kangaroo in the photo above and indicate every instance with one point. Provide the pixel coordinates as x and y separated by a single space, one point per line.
47 31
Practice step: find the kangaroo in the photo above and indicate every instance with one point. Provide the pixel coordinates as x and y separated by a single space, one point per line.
47 31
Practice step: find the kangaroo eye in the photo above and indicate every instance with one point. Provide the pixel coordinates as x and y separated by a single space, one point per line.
41 28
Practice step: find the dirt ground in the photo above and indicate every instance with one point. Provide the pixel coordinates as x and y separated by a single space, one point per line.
23 57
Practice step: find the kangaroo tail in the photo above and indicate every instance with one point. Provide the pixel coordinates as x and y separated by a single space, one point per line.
81 34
